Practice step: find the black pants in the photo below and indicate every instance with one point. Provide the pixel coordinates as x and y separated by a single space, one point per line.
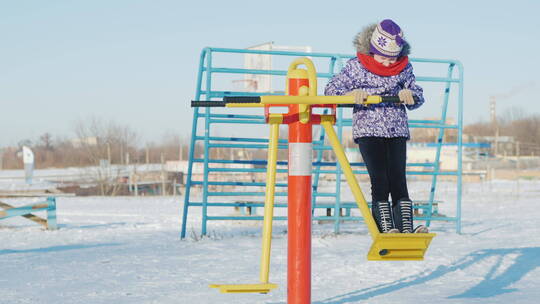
385 159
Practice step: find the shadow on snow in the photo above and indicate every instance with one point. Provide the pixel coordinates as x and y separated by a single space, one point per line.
528 258
56 248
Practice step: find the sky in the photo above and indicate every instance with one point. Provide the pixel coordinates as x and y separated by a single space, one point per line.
135 62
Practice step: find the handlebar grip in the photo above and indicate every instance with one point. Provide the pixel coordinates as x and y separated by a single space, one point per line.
395 99
201 103
392 99
242 99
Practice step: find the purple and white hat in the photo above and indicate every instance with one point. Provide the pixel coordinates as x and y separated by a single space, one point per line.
387 39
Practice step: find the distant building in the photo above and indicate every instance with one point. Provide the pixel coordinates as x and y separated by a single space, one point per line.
89 141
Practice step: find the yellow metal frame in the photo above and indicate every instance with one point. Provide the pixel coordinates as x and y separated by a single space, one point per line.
310 74
264 286
304 110
387 246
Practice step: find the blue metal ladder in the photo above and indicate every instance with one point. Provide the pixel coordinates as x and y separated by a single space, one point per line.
211 166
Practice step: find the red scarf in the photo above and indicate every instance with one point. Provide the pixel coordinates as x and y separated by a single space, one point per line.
378 68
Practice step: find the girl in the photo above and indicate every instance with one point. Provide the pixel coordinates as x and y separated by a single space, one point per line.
381 131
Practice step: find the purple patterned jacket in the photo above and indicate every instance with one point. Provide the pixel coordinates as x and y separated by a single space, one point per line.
381 120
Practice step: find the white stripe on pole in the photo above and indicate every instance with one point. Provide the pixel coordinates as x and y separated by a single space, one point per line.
300 157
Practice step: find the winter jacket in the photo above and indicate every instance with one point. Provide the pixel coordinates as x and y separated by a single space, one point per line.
381 120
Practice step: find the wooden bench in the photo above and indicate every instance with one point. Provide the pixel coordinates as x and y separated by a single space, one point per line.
26 211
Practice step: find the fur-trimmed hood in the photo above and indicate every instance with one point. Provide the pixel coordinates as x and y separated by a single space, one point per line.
361 41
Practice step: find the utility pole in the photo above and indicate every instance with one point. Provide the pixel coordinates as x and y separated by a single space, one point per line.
109 152
162 174
517 155
494 124
121 153
181 151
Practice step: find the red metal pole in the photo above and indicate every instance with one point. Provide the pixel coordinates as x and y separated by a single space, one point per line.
299 205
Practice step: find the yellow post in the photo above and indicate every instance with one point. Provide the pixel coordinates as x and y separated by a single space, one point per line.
327 122
263 287
311 75
304 109
269 197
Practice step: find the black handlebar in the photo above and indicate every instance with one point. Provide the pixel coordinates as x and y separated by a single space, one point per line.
257 99
202 103
242 99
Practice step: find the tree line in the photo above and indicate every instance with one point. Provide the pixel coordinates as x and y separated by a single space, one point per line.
524 129
95 141
98 140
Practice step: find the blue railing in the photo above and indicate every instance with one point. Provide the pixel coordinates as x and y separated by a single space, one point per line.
203 138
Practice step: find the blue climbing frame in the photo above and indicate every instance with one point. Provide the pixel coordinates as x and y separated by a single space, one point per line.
212 166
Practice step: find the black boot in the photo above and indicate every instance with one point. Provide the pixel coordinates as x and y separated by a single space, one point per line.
403 216
382 214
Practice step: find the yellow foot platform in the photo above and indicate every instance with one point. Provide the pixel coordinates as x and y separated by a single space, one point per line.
240 288
400 246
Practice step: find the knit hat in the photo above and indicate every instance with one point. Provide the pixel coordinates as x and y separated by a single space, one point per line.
387 39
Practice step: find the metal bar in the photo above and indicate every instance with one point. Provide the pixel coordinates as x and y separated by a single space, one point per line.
238 121
358 164
339 123
233 93
351 179
242 139
439 142
51 213
314 218
450 173
433 126
329 55
326 194
460 148
192 149
238 161
252 146
285 53
223 193
322 205
437 79
238 116
269 202
316 174
243 170
206 148
237 204
245 184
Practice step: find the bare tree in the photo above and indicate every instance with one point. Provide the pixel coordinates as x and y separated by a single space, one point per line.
105 143
512 114
45 141
524 128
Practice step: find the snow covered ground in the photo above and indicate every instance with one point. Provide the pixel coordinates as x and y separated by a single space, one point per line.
127 250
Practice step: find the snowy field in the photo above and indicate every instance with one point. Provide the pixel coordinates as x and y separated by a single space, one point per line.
127 250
